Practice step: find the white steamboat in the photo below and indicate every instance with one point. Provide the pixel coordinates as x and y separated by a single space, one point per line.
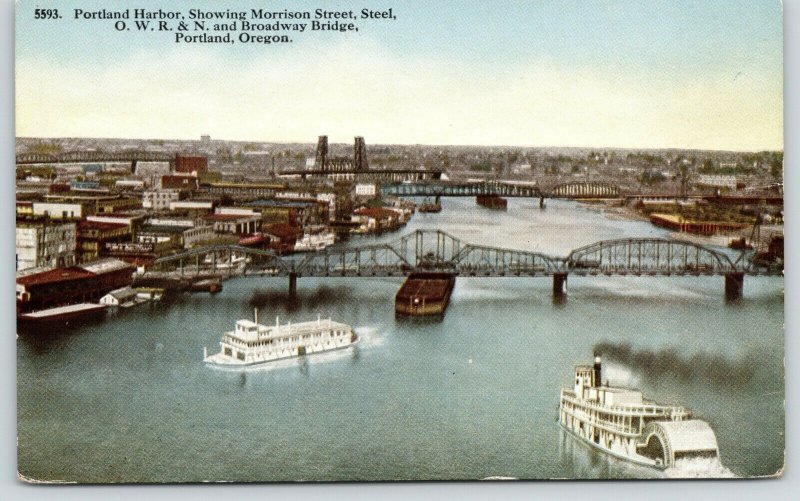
620 422
251 343
315 240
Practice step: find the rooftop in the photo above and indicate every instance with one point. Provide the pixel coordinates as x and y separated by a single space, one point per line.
285 330
123 293
375 212
98 225
231 217
70 308
54 276
165 228
280 203
106 265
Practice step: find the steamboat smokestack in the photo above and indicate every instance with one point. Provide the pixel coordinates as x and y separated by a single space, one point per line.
598 374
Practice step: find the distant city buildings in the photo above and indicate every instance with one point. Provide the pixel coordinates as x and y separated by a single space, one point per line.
191 165
718 181
159 200
365 190
140 201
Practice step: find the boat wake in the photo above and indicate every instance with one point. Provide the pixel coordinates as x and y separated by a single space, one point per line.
368 337
699 468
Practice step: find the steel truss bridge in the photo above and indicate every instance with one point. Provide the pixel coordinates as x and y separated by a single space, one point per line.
443 189
582 189
437 251
502 189
95 156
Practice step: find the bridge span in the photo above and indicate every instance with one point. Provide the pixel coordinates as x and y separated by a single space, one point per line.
452 189
436 251
94 156
572 190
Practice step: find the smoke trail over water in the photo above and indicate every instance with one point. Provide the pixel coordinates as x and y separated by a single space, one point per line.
699 367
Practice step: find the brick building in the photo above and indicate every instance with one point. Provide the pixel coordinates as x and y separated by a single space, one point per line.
189 165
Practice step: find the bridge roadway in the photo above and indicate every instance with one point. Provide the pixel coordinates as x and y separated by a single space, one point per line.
437 251
94 156
577 189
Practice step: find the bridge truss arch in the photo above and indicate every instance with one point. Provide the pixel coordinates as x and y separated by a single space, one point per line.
648 256
95 156
35 158
583 189
217 258
437 251
453 189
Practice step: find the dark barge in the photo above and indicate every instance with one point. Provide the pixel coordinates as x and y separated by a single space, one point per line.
424 294
492 202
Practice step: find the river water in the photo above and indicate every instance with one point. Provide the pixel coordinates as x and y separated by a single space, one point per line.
128 399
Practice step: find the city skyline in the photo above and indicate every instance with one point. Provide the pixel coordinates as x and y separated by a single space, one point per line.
612 75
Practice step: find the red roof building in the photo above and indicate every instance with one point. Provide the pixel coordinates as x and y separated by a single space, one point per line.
37 290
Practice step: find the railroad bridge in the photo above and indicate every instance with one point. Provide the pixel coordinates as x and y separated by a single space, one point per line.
95 156
447 189
585 189
573 190
437 251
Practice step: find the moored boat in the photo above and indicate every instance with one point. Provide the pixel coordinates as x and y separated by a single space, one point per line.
251 343
620 422
81 311
431 206
315 241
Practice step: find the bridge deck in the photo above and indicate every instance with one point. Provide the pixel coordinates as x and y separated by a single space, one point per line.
436 251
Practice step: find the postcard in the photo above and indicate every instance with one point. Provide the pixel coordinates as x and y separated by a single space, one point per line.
399 241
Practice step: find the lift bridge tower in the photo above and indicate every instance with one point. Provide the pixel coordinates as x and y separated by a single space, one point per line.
326 163
360 155
322 153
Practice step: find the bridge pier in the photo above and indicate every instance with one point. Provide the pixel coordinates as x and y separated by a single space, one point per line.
292 285
734 284
559 284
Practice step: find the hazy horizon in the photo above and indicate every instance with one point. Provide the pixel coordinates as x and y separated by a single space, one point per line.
369 144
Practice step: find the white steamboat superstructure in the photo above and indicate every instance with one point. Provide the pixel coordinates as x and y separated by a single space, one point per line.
315 240
252 343
620 422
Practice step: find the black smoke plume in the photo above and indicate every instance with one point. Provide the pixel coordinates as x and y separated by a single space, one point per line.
704 368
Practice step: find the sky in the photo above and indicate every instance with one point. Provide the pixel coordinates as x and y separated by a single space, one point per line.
694 74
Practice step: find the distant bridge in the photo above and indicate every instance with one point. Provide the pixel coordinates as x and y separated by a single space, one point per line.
574 190
585 189
371 175
437 251
95 156
448 189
